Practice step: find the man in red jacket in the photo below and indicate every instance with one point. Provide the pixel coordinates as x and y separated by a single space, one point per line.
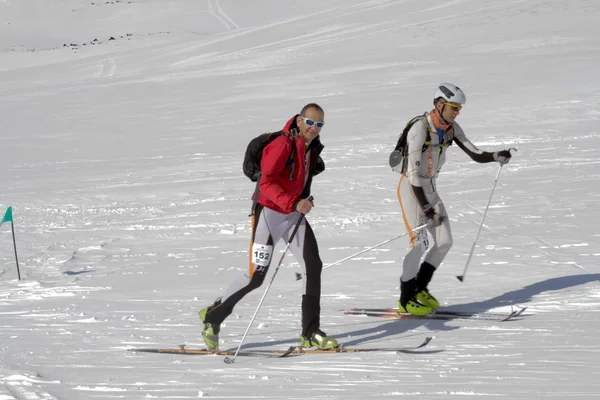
284 189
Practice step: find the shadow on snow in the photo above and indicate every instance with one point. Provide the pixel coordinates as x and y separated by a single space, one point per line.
398 327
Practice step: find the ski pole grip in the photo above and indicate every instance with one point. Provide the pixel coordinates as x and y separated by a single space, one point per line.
298 223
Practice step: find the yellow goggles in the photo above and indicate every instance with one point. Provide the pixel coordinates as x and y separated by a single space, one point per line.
456 107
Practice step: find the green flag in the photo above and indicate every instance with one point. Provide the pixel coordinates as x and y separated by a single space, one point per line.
7 216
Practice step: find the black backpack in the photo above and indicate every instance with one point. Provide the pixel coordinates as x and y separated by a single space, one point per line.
253 155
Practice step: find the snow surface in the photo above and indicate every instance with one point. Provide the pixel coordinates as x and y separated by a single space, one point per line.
122 161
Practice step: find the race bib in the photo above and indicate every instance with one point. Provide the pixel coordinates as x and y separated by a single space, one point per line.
261 254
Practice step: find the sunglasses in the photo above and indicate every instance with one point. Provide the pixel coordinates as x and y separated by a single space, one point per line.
310 122
455 107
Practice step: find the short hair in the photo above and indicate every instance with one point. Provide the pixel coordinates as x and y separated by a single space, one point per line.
438 99
309 106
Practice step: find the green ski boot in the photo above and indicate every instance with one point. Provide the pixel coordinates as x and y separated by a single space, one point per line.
408 302
210 333
425 298
320 340
413 307
422 295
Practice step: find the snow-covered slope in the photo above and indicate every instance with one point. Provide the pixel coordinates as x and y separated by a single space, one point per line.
121 159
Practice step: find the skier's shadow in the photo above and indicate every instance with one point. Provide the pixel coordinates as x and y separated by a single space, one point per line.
524 295
399 327
515 298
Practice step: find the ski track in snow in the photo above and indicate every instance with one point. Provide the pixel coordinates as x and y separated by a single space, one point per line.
107 68
214 8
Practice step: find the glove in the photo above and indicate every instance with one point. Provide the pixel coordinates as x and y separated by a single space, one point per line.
502 156
429 211
432 216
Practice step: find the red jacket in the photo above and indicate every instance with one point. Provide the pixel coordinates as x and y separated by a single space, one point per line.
282 185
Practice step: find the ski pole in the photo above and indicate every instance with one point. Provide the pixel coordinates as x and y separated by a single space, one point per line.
298 276
229 360
462 277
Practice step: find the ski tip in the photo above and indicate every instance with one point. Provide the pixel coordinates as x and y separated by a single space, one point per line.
414 349
520 311
511 315
460 277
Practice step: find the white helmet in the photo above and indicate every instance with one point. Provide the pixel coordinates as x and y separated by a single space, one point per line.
451 93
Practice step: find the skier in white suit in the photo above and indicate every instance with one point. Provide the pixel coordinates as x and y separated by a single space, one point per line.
427 142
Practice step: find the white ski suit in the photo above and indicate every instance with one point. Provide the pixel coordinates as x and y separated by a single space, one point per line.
422 168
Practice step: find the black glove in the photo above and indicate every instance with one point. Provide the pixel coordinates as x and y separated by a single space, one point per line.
429 211
502 156
432 216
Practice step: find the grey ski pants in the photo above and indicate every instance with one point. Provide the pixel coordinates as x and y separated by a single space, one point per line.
270 226
419 242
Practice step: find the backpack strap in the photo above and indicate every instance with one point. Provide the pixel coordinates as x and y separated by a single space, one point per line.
290 160
255 196
428 138
422 118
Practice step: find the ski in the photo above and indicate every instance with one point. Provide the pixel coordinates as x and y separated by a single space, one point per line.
342 349
291 351
392 313
246 353
441 312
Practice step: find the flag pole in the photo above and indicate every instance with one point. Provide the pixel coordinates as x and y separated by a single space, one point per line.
12 226
8 217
